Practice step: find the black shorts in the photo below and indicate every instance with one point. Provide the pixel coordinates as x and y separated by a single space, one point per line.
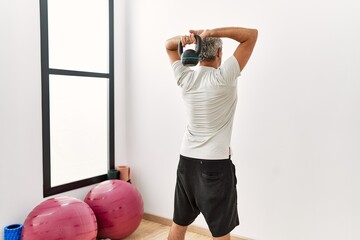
207 187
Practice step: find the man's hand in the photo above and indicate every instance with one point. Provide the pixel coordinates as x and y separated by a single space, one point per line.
185 40
202 33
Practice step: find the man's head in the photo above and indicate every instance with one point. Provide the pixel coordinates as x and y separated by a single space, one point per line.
211 50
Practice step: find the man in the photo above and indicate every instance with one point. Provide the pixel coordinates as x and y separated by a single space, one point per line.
206 181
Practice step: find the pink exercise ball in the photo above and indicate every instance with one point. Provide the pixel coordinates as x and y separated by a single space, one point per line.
118 207
60 218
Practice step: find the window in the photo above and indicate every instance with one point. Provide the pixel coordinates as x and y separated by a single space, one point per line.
77 62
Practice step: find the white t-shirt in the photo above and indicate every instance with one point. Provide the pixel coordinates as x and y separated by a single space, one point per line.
210 97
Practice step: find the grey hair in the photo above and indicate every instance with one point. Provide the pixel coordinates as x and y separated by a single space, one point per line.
209 49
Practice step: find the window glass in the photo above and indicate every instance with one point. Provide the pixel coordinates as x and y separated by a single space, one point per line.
78 128
79 35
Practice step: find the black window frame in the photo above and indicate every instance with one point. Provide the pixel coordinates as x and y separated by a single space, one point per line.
48 190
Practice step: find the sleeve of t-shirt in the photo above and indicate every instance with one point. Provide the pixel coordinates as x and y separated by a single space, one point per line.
230 69
181 72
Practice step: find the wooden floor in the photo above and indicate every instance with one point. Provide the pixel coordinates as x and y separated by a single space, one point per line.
149 230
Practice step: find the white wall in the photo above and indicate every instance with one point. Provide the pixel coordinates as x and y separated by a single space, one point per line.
296 136
20 109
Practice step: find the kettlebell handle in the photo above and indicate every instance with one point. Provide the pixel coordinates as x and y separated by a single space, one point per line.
197 48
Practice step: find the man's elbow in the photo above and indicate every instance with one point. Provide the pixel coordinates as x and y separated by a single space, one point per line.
254 34
167 44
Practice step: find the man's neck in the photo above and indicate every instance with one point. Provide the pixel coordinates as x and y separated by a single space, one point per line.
209 64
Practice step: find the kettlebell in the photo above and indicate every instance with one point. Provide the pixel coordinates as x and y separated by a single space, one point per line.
190 57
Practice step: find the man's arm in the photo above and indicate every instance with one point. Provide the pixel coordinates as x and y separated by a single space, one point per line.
172 48
245 36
